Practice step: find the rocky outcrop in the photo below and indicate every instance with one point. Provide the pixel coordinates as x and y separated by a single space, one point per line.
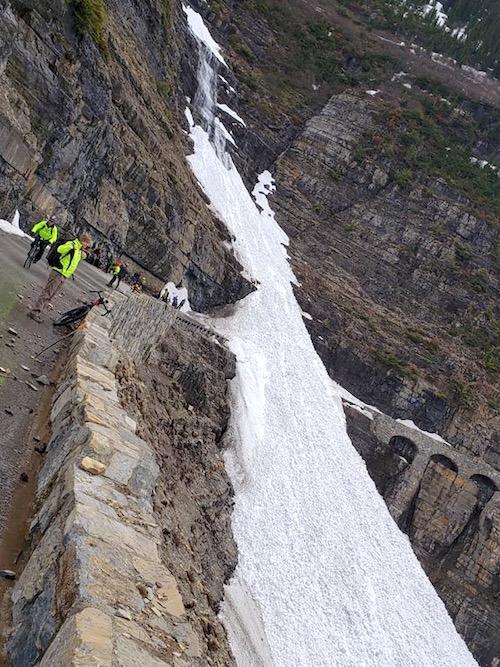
448 503
95 587
382 276
94 135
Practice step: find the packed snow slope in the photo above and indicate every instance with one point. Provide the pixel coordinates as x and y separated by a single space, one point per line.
325 577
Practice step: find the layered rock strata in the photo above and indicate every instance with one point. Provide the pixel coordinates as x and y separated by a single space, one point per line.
389 276
94 135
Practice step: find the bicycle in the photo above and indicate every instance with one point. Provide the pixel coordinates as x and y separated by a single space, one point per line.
35 252
80 313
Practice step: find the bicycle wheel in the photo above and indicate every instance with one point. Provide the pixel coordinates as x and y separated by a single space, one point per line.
71 316
31 254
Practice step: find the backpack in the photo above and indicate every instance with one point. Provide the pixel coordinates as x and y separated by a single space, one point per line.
54 258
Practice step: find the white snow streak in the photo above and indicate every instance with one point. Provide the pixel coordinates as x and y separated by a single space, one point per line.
227 135
263 188
13 227
437 7
232 113
176 295
226 82
200 30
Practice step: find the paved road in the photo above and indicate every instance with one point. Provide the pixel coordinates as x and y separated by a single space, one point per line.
18 290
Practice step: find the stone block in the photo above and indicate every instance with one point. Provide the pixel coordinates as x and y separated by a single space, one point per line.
112 532
121 467
169 598
100 488
100 445
92 466
184 634
85 639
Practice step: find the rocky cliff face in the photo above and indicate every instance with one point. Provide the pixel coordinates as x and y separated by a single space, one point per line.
396 254
396 279
92 133
180 401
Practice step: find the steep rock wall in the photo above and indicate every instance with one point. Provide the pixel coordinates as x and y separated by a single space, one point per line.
387 294
94 135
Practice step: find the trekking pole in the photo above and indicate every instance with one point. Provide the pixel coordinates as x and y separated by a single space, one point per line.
83 325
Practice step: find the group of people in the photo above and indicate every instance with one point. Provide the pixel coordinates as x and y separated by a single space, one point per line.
119 271
64 256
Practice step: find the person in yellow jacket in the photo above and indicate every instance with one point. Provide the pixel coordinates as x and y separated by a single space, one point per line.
117 273
45 233
70 255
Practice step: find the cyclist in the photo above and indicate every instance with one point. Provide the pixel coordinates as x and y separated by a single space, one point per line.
45 232
137 282
70 255
117 273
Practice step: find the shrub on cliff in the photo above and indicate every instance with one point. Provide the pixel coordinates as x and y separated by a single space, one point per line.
90 18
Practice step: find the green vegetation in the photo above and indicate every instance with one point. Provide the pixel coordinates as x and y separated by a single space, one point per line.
438 140
90 18
462 252
166 13
430 344
479 280
483 335
403 177
307 58
461 390
438 230
164 88
389 360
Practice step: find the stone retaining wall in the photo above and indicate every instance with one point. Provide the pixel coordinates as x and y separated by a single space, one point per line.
139 322
94 590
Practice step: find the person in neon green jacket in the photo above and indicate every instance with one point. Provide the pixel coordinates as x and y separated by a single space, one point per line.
70 256
45 232
71 253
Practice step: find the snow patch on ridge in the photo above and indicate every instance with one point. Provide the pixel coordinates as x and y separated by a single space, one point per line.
200 30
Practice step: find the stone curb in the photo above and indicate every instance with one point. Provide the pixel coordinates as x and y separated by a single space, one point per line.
94 590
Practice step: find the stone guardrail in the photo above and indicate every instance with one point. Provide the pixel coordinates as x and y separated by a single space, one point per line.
191 324
139 322
94 590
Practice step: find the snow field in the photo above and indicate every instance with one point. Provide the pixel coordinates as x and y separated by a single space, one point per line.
325 578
